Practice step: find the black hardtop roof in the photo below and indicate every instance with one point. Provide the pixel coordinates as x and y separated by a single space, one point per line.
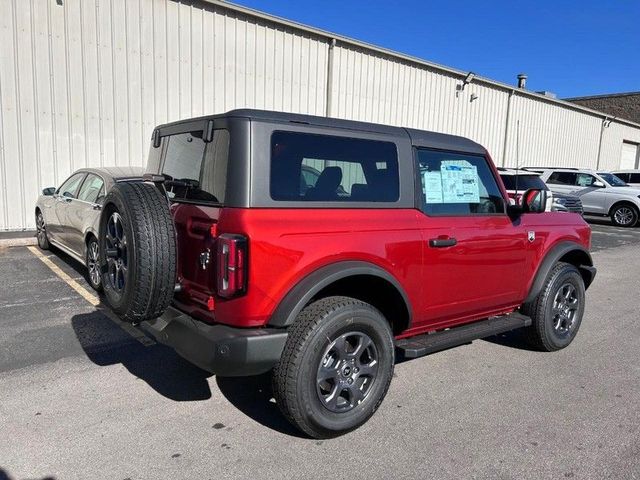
419 138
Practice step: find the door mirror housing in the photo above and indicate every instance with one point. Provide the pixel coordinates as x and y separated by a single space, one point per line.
49 191
598 184
534 200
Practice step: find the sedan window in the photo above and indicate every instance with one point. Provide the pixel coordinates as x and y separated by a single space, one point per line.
70 187
91 188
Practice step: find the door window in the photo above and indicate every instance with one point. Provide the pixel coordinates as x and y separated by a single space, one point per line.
312 167
196 170
585 180
70 187
91 188
562 178
457 184
634 178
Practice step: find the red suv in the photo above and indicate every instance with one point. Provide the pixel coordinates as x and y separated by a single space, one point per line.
321 249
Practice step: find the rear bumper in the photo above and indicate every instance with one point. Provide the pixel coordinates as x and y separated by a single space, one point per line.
219 349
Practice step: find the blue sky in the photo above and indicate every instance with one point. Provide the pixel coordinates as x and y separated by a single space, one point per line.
571 48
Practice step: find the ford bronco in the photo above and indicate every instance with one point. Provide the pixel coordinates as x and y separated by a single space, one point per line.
322 249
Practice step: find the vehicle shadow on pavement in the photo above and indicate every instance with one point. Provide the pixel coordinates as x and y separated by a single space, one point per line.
5 476
513 339
253 396
105 343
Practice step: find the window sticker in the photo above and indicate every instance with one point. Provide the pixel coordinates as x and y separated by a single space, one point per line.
432 184
460 182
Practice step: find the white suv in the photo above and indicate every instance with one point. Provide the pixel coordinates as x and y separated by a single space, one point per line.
602 193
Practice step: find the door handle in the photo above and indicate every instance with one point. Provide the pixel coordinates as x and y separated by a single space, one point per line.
442 242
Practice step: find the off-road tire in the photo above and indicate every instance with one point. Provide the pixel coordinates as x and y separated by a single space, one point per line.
542 333
312 333
41 231
624 215
149 249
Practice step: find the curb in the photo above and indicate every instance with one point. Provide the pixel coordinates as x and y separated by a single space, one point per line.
18 242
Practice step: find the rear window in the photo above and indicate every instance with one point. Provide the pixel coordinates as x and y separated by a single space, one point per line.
523 182
196 170
326 168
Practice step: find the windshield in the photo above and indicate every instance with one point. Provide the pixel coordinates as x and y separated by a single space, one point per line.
612 180
525 182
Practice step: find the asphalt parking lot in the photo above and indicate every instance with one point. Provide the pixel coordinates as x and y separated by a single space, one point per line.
84 396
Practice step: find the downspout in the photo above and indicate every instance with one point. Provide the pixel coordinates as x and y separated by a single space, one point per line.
602 127
329 98
506 129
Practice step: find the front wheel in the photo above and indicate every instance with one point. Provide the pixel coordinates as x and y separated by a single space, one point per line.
41 232
336 367
93 264
624 216
556 312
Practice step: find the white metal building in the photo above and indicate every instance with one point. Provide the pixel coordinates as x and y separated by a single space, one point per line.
83 83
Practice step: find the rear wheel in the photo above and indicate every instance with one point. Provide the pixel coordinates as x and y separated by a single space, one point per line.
557 311
624 215
41 231
137 251
336 366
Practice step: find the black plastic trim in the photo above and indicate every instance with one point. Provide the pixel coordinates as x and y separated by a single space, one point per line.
295 300
552 257
219 349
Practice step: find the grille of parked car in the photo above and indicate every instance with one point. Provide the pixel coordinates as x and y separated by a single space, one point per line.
573 204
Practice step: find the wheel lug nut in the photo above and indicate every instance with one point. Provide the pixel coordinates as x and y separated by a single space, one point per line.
350 381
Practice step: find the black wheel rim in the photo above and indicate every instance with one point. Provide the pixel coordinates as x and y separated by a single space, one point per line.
623 215
93 262
116 252
347 372
565 308
41 232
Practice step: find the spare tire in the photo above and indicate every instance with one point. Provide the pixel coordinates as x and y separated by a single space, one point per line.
137 251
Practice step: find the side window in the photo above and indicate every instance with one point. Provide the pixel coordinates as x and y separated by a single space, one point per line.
585 180
327 168
634 178
196 170
457 184
70 187
562 178
91 188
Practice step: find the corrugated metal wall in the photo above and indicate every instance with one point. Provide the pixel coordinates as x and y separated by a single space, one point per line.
376 88
84 83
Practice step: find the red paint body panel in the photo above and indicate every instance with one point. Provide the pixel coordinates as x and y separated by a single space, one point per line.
488 272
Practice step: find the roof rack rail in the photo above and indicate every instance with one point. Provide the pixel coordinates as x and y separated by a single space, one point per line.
553 168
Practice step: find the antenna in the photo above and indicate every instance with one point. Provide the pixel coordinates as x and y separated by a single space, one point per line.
517 158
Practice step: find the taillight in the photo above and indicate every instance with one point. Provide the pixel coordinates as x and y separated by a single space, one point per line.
232 265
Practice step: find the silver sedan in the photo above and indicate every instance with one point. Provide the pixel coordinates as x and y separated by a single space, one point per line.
68 217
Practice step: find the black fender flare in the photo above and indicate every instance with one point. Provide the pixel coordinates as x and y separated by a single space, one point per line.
585 265
298 296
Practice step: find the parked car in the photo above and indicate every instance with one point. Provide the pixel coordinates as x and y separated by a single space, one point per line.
518 181
630 177
406 241
68 217
602 193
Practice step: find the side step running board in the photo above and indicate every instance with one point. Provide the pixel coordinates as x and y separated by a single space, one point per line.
420 345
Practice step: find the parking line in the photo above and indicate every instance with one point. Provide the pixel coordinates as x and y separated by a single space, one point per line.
93 299
83 292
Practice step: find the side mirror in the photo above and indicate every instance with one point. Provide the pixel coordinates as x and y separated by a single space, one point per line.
49 191
598 184
534 201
